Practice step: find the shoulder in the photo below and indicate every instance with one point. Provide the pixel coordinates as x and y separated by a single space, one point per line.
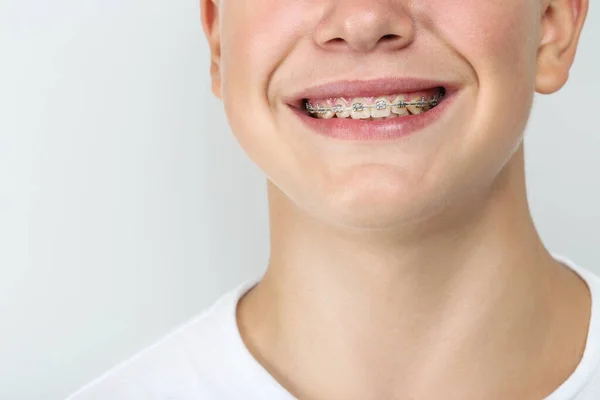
584 383
184 364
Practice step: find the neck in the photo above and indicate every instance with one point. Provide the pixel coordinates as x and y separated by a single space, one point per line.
441 298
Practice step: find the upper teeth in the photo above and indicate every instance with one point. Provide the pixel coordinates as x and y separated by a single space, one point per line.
381 108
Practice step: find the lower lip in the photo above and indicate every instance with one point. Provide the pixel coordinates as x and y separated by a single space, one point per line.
383 129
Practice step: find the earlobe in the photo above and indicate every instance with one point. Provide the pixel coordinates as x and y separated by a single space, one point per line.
210 23
215 74
561 24
552 72
552 69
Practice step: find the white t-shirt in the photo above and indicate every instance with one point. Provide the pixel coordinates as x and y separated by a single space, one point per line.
206 359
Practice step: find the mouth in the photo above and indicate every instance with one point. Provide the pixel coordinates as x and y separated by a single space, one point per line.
379 109
375 107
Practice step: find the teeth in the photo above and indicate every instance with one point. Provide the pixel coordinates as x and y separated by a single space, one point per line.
381 109
397 109
324 110
417 109
434 102
370 108
359 109
343 105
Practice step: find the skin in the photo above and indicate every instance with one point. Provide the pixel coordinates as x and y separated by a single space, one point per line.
408 269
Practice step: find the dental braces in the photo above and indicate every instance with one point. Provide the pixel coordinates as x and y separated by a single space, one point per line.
379 105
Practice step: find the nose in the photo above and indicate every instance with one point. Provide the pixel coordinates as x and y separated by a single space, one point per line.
364 25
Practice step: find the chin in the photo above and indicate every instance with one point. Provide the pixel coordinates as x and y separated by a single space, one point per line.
371 213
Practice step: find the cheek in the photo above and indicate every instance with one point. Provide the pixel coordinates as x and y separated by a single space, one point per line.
494 36
497 40
256 36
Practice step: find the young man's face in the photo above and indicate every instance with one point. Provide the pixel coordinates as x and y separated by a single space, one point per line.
491 56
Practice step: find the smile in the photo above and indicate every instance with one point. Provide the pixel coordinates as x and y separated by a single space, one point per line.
373 108
380 109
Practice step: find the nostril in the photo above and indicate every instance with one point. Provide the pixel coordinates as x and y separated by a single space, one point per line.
389 37
390 40
337 43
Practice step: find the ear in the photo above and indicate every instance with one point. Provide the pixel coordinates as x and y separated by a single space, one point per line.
210 22
561 25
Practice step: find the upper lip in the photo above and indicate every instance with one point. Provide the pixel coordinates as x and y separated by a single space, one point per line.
367 88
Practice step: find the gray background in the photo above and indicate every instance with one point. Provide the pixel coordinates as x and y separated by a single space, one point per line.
123 192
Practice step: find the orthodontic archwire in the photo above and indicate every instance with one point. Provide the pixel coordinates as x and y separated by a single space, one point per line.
379 105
